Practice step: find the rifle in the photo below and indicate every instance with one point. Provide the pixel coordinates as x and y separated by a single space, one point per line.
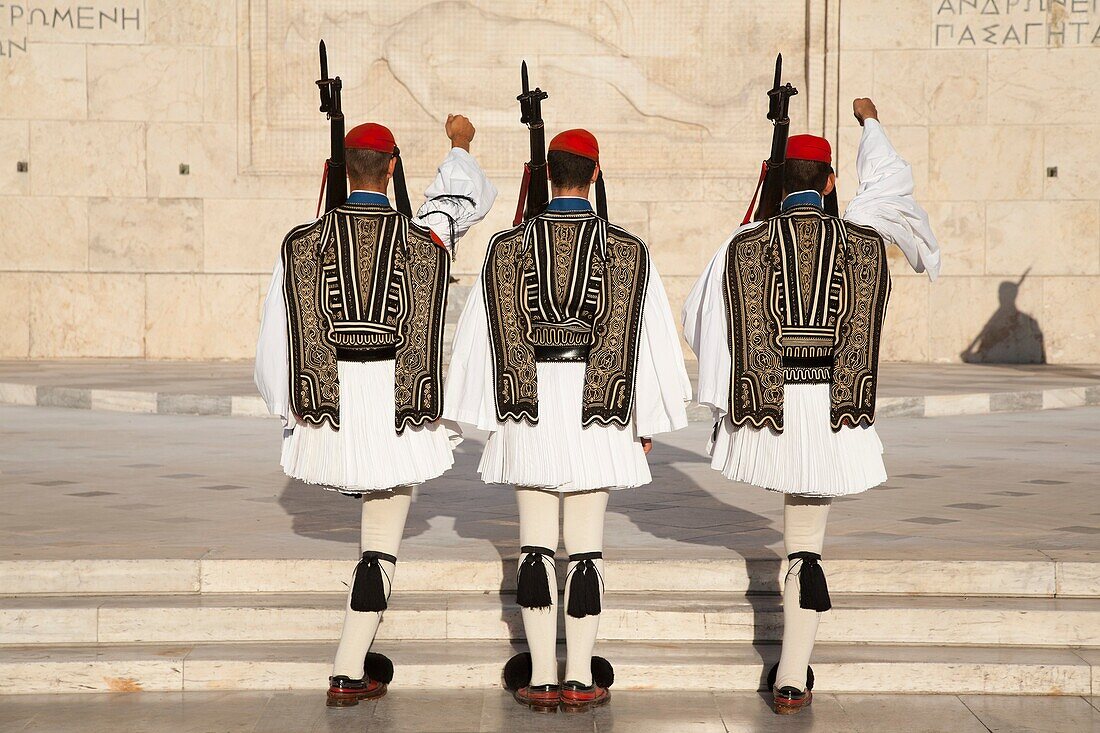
770 187
534 191
334 187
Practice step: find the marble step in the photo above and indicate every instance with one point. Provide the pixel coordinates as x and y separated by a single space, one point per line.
1042 578
477 664
724 617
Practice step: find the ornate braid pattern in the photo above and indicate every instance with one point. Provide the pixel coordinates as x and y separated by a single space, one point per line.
612 361
367 245
807 241
756 387
855 359
564 246
515 375
418 365
314 379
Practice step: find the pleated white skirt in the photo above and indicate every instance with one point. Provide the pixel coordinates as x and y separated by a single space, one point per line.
807 458
557 453
366 453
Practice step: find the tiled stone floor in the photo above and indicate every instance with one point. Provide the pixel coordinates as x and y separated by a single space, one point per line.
225 388
80 484
235 377
461 711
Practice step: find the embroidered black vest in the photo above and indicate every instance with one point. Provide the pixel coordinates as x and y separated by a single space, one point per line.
363 283
806 297
565 286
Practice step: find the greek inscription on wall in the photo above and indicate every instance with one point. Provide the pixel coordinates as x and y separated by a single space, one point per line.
1015 23
22 23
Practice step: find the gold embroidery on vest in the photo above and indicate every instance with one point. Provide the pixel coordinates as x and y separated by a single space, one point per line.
315 385
418 364
564 249
756 386
612 361
514 372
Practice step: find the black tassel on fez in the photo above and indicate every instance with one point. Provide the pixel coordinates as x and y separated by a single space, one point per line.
584 586
813 591
533 585
368 592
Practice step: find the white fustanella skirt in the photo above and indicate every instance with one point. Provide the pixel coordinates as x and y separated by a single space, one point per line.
557 453
366 453
807 458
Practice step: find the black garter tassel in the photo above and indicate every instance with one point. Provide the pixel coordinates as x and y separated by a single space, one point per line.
533 585
813 591
584 586
368 593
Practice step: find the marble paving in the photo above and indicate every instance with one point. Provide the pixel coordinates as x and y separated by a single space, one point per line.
493 710
226 388
85 485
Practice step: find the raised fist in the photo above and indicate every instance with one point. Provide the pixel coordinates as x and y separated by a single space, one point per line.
460 130
864 109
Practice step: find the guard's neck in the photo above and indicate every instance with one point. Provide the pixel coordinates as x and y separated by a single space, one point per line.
578 193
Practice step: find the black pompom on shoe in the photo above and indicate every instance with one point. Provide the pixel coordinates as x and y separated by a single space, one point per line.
603 674
517 672
378 667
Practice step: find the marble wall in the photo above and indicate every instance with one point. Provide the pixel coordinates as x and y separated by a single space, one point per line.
169 145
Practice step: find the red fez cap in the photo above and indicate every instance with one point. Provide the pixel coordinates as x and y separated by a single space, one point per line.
809 147
577 142
370 136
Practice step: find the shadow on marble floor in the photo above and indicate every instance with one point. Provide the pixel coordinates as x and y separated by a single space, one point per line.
717 524
674 508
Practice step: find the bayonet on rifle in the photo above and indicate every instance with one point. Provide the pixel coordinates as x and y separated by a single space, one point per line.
334 184
534 192
770 188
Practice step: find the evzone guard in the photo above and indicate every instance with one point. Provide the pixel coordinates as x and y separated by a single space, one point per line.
567 353
350 356
786 322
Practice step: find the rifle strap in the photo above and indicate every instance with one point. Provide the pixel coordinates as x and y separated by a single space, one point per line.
523 186
756 193
321 195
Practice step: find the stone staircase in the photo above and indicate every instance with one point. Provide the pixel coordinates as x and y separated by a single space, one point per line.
1022 627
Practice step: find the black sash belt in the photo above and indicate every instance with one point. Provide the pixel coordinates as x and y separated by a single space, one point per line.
383 353
561 353
808 362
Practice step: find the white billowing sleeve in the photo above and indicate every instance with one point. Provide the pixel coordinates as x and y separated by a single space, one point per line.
272 374
468 394
707 331
460 196
884 201
661 385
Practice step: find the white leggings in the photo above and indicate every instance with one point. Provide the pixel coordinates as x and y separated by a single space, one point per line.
384 514
804 520
582 530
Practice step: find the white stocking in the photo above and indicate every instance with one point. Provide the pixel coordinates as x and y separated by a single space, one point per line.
538 526
384 514
582 528
803 531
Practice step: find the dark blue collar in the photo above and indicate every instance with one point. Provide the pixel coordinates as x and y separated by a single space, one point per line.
802 198
369 198
568 203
